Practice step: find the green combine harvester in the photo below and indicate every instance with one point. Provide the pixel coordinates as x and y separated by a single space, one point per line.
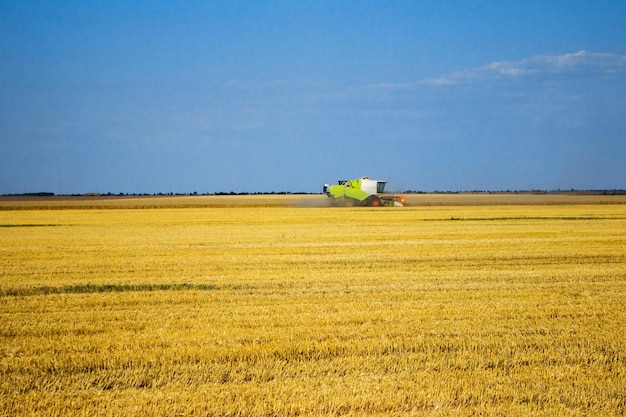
362 192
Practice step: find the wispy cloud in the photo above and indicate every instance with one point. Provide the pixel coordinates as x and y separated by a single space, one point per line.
580 62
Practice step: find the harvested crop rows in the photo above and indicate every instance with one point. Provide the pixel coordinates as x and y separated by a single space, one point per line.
278 310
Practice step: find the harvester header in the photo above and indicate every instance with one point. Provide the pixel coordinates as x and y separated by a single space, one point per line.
362 192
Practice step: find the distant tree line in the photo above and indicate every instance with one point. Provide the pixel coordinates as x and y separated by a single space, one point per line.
558 191
43 194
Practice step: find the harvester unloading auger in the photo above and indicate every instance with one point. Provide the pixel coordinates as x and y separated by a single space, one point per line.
362 192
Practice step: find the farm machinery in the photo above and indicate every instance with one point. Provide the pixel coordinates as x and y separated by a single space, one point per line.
362 192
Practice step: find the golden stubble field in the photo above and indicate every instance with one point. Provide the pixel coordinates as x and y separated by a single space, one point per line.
495 307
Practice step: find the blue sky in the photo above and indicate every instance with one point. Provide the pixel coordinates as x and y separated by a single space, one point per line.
256 96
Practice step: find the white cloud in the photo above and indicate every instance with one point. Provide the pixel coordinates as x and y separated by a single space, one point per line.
580 62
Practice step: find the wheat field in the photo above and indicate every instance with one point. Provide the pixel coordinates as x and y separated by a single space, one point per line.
273 307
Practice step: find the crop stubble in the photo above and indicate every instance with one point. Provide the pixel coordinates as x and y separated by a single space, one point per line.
442 310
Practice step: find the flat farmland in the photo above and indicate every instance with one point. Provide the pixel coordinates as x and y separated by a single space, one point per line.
275 305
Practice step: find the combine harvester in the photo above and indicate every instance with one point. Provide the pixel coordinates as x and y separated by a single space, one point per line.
362 192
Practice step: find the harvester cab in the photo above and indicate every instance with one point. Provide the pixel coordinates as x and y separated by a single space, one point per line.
362 192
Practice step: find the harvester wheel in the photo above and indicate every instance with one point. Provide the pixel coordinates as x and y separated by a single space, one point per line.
374 201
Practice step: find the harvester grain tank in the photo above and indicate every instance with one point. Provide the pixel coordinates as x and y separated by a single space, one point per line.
362 192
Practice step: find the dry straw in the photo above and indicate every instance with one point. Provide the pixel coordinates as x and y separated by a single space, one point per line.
442 310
